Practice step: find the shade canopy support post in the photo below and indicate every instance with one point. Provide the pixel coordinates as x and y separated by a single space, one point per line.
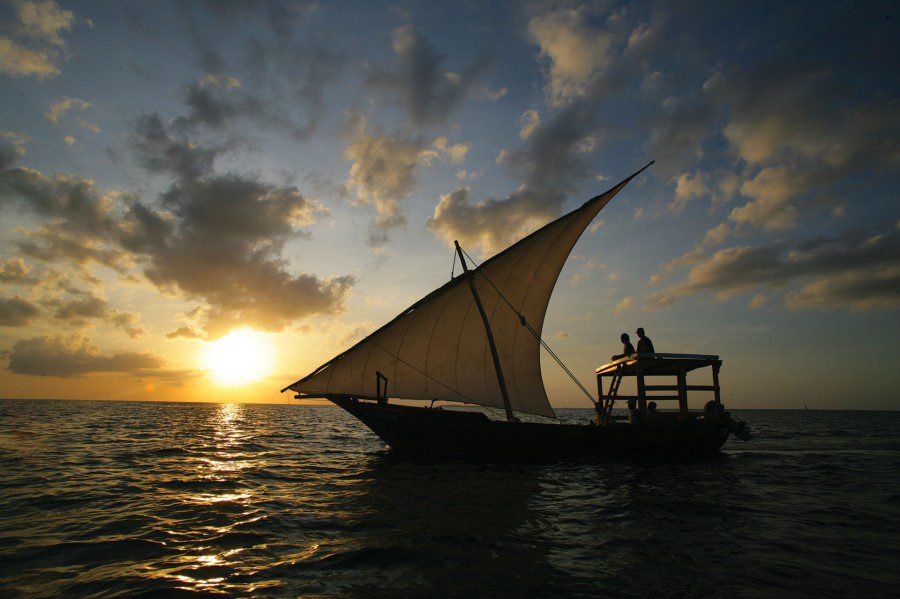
716 390
490 336
641 388
682 393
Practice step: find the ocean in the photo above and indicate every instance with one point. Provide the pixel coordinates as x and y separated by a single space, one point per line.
128 498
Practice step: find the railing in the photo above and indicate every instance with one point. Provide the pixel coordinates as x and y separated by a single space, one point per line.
641 366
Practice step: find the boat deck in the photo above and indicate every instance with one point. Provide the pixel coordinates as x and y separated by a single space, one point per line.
643 365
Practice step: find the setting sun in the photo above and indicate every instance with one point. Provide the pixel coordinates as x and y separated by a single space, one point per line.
238 358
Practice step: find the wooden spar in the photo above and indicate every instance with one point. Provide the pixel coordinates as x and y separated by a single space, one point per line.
715 384
490 336
682 393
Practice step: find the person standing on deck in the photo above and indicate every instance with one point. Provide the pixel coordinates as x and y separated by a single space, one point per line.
645 346
627 348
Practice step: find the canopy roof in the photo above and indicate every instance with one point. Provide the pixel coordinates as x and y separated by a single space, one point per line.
437 348
657 364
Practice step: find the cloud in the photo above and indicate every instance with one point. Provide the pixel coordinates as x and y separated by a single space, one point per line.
38 23
689 187
83 308
14 270
16 311
468 175
59 108
160 150
284 73
428 92
226 250
680 130
866 289
78 310
587 54
385 169
562 335
859 270
184 333
548 166
218 102
627 303
19 61
74 356
716 236
481 224
455 152
43 20
224 241
216 238
798 140
576 52
759 300
773 190
12 148
530 119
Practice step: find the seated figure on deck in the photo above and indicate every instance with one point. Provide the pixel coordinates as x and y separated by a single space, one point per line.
645 346
627 348
633 413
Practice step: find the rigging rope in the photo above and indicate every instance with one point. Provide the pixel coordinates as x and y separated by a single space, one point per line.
425 374
533 332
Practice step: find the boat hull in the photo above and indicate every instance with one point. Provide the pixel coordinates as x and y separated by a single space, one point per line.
427 432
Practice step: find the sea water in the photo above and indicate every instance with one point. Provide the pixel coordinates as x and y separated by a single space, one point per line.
125 498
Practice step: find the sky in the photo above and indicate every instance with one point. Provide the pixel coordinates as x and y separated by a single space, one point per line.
203 201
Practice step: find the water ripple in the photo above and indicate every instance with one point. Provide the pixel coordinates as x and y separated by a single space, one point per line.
110 498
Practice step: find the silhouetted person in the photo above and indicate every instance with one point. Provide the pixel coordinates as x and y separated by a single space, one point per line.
627 348
645 346
632 411
651 411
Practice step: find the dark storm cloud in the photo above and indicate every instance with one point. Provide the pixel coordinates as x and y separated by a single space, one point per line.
859 269
74 356
17 312
428 92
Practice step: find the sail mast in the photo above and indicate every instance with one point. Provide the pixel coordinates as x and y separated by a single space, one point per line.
490 336
413 346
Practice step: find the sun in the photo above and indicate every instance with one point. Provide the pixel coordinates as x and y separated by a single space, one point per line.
238 358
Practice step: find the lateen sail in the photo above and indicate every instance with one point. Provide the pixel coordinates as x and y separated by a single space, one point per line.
437 348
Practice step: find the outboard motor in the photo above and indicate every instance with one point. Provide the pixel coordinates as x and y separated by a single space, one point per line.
715 412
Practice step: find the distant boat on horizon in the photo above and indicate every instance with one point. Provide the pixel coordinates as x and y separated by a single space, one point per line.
477 340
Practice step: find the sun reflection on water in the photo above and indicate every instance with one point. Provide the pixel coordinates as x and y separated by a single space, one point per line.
224 497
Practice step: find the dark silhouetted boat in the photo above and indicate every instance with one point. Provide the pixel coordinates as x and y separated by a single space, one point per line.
477 340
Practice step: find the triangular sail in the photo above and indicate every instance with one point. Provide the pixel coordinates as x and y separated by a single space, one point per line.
437 348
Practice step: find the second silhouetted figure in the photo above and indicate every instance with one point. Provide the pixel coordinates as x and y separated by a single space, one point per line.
645 346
